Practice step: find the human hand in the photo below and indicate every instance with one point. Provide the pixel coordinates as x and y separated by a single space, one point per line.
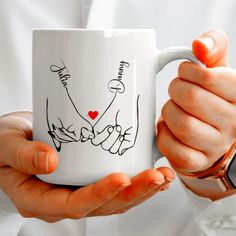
21 159
198 122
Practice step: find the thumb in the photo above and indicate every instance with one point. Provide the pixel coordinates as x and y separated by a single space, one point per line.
211 48
19 152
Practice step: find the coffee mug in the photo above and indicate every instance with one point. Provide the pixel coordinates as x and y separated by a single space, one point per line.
94 99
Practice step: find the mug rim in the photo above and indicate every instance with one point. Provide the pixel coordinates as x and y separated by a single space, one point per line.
96 30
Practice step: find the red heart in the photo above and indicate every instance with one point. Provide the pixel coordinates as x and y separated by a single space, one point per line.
93 114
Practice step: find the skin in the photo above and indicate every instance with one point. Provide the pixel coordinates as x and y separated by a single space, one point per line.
198 122
21 158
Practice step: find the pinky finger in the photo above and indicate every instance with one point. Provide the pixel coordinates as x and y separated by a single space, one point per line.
180 156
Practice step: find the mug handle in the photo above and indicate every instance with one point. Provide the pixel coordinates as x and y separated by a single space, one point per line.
164 57
168 55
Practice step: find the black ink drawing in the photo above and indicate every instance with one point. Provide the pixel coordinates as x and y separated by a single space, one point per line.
112 137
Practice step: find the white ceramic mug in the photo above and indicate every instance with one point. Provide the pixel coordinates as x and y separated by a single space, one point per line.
94 99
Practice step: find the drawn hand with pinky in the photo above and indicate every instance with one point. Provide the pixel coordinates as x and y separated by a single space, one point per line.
115 139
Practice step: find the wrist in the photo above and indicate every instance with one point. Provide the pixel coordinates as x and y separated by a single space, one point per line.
215 182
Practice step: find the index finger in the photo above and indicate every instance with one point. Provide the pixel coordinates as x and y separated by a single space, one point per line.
219 80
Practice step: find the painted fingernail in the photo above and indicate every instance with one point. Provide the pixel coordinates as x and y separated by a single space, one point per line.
41 161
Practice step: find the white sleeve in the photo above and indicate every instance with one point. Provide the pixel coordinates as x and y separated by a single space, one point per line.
215 218
10 220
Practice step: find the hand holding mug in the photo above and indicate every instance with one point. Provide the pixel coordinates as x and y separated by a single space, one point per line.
21 158
198 122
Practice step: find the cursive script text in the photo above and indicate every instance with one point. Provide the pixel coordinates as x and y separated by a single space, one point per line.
116 85
121 69
62 72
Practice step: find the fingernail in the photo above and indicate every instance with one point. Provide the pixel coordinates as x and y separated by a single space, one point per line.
158 182
208 42
41 161
124 185
169 179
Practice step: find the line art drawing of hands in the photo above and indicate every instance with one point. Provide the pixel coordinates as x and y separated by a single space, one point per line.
78 131
114 139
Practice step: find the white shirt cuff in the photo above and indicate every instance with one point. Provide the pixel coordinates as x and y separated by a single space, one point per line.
215 218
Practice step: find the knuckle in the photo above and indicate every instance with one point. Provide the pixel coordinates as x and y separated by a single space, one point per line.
185 128
182 67
163 146
191 96
228 126
207 76
186 162
165 108
172 86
